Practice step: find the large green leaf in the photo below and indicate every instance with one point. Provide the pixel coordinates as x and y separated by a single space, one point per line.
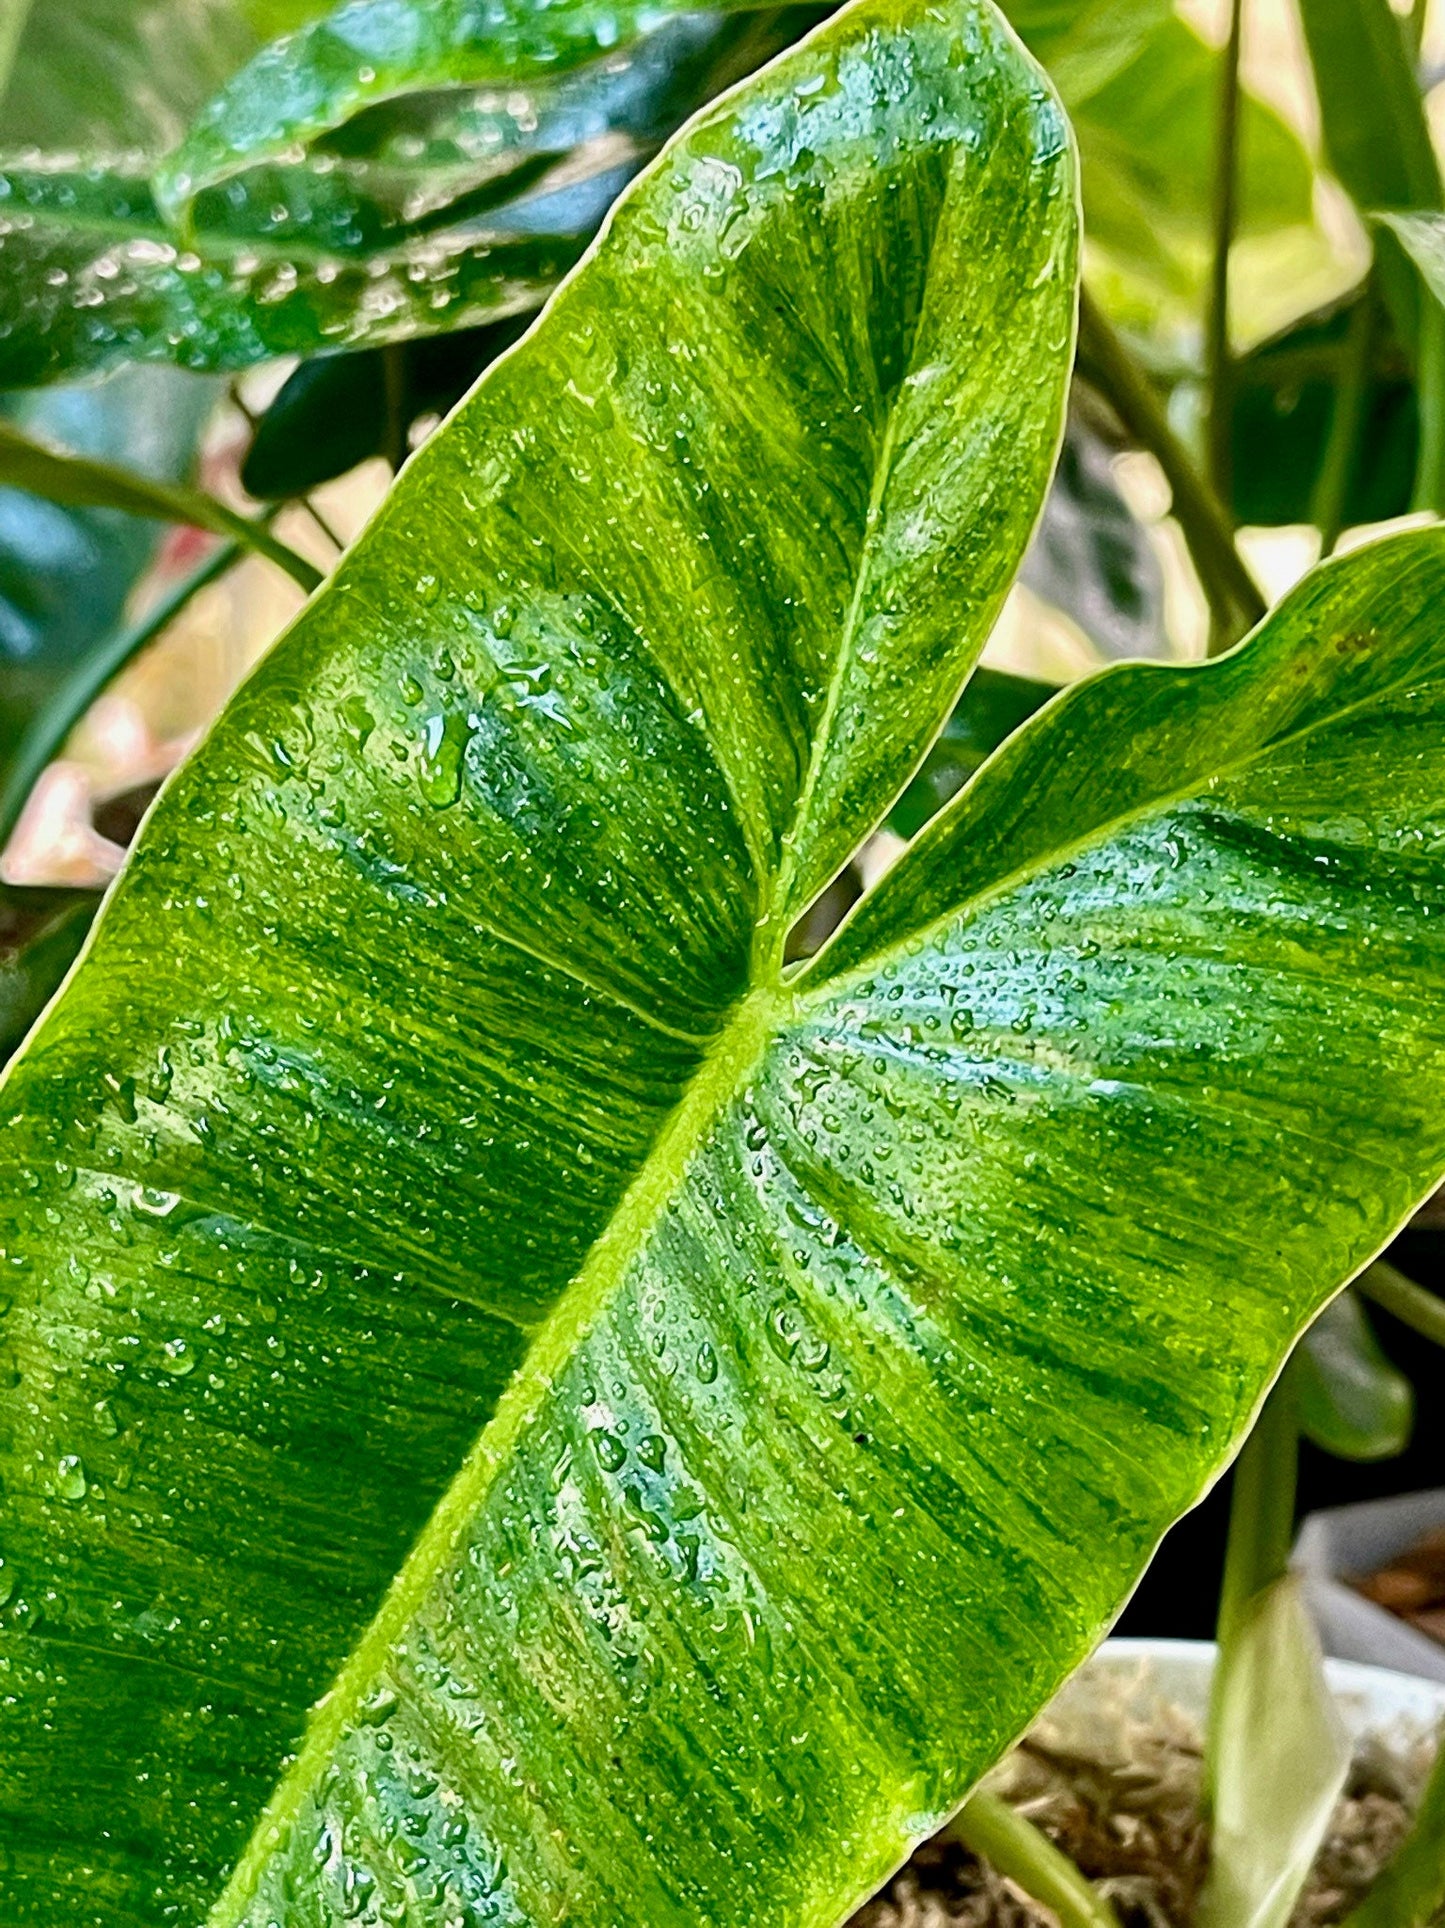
684 591
872 1321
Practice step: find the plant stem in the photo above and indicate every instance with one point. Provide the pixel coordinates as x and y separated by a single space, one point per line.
74 697
1022 1852
1347 420
1416 23
1411 1304
1217 362
1233 597
1409 1890
1429 489
1261 1512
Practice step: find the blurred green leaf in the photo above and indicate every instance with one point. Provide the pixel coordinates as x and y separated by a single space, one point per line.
1278 1760
1085 43
1423 238
1351 1400
81 482
1092 558
1147 145
1375 133
441 214
1373 127
115 76
65 573
1283 398
991 708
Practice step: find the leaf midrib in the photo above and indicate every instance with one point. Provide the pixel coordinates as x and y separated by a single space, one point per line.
736 1049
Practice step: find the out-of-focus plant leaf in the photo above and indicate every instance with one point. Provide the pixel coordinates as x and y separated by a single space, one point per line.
450 214
1279 1757
992 707
65 573
1283 399
1352 1401
1373 126
1085 43
1410 1890
1092 558
1423 238
81 482
89 276
336 410
1146 140
40 933
117 76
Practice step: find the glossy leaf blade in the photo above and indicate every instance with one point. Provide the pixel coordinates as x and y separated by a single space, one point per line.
90 277
881 1359
570 720
365 52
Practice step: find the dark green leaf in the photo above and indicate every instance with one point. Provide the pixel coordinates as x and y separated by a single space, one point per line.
313 80
1352 1401
1092 558
686 588
1376 136
1283 400
445 217
335 410
89 276
991 708
40 933
65 574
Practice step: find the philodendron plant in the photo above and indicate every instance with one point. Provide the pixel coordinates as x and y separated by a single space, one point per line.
672 1415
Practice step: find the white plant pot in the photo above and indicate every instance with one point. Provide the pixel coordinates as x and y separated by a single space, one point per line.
1394 1718
1356 1539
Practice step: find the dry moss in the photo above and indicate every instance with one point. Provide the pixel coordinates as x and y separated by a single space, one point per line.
1125 1809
